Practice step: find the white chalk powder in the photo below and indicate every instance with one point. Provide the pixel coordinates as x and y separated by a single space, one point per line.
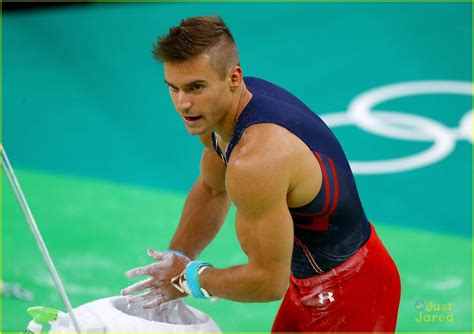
116 314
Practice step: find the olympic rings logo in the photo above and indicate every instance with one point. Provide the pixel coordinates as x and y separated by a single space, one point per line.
405 126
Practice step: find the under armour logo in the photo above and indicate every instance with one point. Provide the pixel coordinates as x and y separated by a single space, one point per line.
323 297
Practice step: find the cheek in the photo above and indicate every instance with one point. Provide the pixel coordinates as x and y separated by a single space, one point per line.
219 106
209 102
222 99
213 103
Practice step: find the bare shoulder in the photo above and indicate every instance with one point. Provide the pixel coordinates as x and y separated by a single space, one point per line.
260 168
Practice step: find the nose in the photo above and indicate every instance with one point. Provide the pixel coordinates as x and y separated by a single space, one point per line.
182 101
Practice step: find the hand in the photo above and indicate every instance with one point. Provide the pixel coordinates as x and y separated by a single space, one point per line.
158 288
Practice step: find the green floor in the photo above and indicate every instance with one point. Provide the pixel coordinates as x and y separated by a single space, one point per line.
106 164
96 231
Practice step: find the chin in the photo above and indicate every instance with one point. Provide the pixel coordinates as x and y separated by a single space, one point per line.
196 132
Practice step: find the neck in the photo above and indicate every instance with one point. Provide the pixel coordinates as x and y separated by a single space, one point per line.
242 98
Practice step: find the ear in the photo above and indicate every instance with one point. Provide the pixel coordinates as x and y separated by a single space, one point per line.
235 77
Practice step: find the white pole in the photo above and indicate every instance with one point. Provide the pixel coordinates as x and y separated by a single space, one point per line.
7 168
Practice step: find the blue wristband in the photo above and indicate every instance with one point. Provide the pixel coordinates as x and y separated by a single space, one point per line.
191 274
176 252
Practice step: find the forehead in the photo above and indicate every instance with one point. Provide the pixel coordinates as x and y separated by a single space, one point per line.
198 68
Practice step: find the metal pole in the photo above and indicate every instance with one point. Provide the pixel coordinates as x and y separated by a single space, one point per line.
7 168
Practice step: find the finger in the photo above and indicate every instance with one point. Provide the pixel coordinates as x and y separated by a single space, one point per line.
148 283
159 256
157 301
139 271
144 296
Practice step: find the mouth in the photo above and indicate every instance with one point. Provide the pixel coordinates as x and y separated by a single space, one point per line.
191 120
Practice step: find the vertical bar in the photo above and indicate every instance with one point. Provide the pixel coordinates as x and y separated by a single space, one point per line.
7 168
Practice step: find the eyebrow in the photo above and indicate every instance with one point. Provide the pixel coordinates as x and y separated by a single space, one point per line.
188 84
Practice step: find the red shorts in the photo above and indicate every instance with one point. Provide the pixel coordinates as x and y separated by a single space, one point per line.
360 295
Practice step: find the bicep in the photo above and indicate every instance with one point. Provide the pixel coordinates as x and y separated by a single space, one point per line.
267 239
263 222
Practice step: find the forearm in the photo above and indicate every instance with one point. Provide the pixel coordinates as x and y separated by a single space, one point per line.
203 214
246 283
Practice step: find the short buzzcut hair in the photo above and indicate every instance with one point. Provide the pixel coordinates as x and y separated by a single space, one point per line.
199 35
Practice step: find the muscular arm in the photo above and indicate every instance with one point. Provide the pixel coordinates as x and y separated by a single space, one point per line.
205 208
262 179
257 181
259 177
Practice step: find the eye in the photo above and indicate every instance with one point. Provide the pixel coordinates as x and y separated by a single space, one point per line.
172 89
196 87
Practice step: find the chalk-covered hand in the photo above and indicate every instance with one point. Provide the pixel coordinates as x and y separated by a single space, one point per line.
156 289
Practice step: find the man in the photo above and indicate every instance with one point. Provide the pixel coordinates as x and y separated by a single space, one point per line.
299 219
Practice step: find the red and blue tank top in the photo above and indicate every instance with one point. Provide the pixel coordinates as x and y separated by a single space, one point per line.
333 226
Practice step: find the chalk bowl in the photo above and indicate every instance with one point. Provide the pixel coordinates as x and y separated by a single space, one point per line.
115 314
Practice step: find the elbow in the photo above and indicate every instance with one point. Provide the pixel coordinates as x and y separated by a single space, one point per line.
274 289
213 191
274 295
278 292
